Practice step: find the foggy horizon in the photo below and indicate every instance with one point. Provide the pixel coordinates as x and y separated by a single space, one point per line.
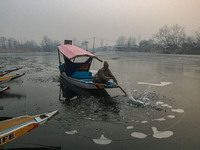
59 20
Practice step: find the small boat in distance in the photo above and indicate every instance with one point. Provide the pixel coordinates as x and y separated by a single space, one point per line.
75 68
13 128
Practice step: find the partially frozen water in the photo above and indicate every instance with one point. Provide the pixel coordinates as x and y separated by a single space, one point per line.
162 103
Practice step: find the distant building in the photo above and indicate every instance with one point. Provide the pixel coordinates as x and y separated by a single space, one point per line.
126 47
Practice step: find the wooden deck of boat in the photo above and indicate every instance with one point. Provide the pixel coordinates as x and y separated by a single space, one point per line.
15 121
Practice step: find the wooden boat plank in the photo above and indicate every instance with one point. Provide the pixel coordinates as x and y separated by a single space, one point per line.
21 125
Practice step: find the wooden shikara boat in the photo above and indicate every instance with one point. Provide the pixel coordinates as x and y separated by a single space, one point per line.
78 73
4 72
11 129
9 78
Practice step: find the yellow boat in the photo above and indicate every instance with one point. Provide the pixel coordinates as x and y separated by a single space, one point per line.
13 128
9 78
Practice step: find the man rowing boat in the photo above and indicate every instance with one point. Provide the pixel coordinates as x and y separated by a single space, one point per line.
104 75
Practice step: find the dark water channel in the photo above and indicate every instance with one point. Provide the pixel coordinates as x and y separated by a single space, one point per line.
161 110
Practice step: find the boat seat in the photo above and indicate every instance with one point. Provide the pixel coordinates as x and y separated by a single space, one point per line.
111 83
82 75
87 80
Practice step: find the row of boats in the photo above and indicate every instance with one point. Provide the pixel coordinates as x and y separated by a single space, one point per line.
11 129
5 79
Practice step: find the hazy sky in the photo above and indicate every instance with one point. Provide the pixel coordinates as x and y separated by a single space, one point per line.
108 19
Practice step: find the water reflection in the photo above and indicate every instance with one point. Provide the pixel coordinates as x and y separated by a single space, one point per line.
69 92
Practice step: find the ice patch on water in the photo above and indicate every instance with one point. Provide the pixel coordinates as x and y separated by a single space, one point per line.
154 84
171 116
178 110
159 103
129 127
160 119
138 135
163 104
72 132
102 140
166 105
143 122
89 118
161 134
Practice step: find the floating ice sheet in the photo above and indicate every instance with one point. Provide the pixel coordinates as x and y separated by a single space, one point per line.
161 134
72 132
138 135
154 84
160 119
171 116
159 103
178 110
129 127
102 140
143 122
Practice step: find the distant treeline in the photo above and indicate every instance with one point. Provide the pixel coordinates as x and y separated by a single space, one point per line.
170 40
12 45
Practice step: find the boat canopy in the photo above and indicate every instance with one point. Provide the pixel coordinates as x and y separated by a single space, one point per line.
71 51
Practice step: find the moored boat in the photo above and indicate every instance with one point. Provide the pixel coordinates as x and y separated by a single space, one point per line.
13 128
78 72
9 78
4 72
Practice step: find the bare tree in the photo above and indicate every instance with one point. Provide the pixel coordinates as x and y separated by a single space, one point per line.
197 38
49 45
171 37
11 43
163 36
3 42
131 41
122 40
178 35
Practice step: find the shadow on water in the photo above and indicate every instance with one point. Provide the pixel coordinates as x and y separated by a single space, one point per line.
69 91
82 103
12 95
